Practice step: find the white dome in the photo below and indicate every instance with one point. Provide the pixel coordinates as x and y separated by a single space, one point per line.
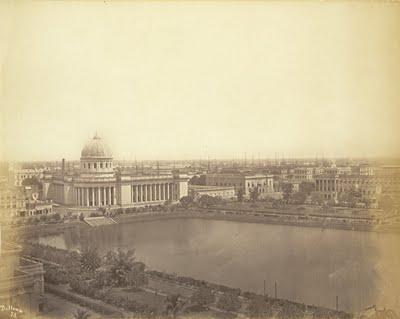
96 148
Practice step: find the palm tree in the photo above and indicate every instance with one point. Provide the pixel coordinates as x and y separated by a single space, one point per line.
81 314
173 304
120 263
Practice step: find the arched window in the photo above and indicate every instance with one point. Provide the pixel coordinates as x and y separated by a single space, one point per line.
95 165
101 165
88 165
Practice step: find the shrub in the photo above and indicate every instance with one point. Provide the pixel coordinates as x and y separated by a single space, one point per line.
203 296
229 302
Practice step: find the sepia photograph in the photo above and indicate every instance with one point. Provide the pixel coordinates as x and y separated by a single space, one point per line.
199 159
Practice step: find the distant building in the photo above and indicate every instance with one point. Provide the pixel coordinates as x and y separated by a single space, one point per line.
12 201
366 170
21 201
389 178
331 186
19 175
303 174
340 170
98 184
224 192
242 181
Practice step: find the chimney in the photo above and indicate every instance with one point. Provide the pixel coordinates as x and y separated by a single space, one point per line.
63 168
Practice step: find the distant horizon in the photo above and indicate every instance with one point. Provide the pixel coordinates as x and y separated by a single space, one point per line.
204 160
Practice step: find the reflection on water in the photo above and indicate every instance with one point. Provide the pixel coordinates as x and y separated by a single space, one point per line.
309 265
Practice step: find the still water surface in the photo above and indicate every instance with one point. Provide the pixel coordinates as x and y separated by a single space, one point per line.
308 264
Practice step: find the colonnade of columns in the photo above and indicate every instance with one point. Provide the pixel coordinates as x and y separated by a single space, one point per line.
95 196
152 192
326 185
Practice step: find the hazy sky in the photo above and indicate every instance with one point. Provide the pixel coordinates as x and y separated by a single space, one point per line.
186 80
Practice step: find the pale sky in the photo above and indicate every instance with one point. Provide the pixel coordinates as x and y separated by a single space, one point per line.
194 79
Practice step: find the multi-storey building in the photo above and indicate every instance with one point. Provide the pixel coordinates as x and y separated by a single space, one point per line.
389 178
97 183
224 192
12 201
21 283
331 186
303 174
19 175
242 181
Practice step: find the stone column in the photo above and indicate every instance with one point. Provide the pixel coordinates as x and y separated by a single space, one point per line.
167 190
98 196
151 192
171 191
104 196
144 193
109 195
136 193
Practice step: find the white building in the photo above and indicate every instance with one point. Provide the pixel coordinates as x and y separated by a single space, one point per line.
98 184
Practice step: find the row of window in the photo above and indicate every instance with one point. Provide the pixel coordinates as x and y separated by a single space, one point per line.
106 165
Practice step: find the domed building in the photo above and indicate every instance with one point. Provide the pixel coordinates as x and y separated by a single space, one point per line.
97 183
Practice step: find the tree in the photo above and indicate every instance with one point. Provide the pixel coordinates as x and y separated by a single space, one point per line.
287 190
259 308
298 198
32 181
173 304
254 193
57 217
186 201
229 302
198 180
350 198
90 259
81 314
203 296
240 195
137 277
306 187
119 264
317 198
207 201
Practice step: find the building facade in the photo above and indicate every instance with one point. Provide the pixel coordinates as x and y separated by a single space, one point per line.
21 283
242 181
97 183
224 192
332 186
19 175
303 174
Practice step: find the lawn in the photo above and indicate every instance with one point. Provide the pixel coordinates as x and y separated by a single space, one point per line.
140 296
